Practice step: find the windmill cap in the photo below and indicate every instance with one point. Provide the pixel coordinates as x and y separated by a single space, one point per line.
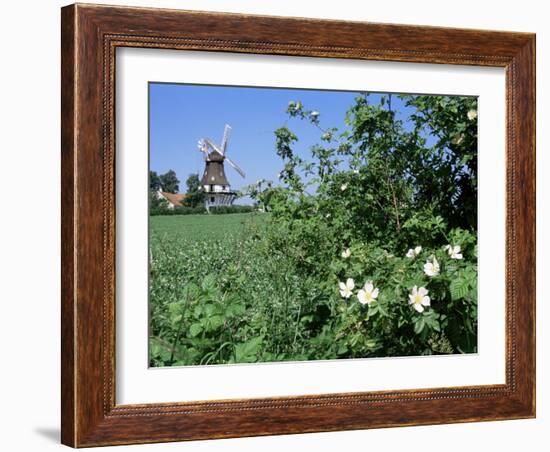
215 157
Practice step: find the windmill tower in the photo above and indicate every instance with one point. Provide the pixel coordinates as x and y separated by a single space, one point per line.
214 181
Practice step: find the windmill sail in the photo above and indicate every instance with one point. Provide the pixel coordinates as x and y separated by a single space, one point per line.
203 148
235 166
225 139
213 146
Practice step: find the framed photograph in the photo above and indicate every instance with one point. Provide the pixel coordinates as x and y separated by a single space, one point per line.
282 225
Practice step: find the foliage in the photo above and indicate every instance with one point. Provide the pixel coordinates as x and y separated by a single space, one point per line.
169 182
194 196
161 208
183 210
369 247
452 121
220 210
154 181
157 205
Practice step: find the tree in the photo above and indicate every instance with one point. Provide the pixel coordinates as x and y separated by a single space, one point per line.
194 195
193 183
447 174
413 175
154 181
170 182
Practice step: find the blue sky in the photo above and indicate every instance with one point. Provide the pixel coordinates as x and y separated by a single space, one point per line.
182 114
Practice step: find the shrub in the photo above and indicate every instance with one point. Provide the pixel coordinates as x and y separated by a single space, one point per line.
376 191
220 210
184 210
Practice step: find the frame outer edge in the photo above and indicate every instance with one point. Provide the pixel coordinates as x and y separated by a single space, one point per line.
68 230
533 120
526 194
86 420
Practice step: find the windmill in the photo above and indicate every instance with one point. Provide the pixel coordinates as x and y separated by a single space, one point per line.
214 181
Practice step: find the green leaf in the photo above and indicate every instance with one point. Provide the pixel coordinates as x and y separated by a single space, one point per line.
419 325
246 352
209 283
174 308
159 350
371 343
342 349
195 329
175 312
459 287
236 309
191 292
213 323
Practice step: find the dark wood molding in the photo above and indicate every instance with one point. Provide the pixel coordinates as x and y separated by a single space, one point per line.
90 35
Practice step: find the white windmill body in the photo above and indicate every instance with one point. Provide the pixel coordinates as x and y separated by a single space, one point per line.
214 182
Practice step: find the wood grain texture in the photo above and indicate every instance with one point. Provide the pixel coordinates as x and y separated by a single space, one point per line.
90 36
67 225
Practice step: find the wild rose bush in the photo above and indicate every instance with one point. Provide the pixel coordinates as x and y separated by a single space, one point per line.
381 213
367 247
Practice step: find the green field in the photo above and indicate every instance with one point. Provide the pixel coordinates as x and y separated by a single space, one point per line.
198 227
208 275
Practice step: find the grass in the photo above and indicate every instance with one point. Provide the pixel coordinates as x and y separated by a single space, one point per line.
200 227
207 273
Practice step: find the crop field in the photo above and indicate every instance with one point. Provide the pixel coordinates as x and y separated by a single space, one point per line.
192 257
198 227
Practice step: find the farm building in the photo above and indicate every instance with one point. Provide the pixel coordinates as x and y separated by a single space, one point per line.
173 199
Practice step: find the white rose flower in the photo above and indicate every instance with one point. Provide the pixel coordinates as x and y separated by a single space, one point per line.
456 254
454 251
343 187
472 114
367 294
346 253
432 268
419 298
347 288
414 252
314 113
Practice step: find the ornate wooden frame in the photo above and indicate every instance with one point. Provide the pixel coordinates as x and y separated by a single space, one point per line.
90 35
